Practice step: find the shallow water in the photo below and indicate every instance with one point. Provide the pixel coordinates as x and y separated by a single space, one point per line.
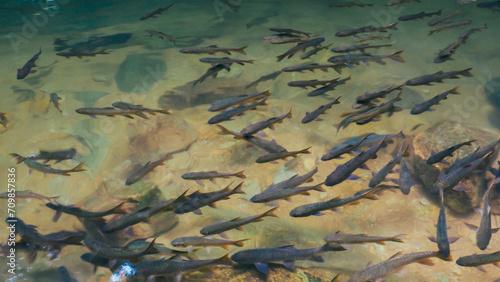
150 71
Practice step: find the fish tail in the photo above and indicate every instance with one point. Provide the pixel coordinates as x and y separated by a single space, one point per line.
431 32
79 167
142 115
238 189
19 159
393 26
319 188
455 90
240 174
266 92
329 247
466 72
439 12
306 151
397 238
224 131
118 209
225 260
485 26
270 212
338 68
165 112
151 247
440 256
103 51
468 143
396 56
280 57
241 50
289 115
181 198
239 243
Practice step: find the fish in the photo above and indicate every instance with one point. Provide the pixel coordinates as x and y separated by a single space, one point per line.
426 105
54 99
197 241
447 52
477 260
156 12
436 21
399 2
225 60
310 83
465 35
373 113
420 15
349 5
129 106
28 66
63 275
269 146
314 115
140 172
366 29
237 100
450 25
442 231
360 117
32 164
261 125
235 223
490 4
345 170
368 140
3 119
460 2
26 194
368 97
308 54
342 238
285 254
285 38
293 181
288 31
439 156
211 175
381 270
212 49
313 42
312 67
285 194
198 200
437 77
263 78
283 155
78 212
212 72
161 35
81 54
405 181
328 87
104 250
101 261
337 151
110 112
58 156
373 38
351 60
141 215
362 47
383 172
479 153
229 114
316 209
92 43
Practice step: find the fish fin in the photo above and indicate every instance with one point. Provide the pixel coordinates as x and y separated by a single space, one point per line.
239 243
347 247
239 228
212 180
453 239
432 239
189 249
56 217
395 255
318 214
426 261
370 264
212 205
270 212
224 235
199 182
353 177
397 238
197 212
460 187
289 264
495 230
207 249
380 242
262 267
480 268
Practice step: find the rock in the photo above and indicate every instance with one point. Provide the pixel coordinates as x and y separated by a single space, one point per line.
442 136
139 72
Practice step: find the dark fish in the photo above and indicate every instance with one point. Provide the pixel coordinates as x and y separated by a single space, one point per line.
368 140
28 194
225 60
314 115
442 231
285 38
261 125
107 251
128 106
237 100
439 156
314 51
283 155
213 71
381 270
210 175
465 35
479 153
399 2
197 241
93 42
480 259
156 12
293 181
289 31
310 83
212 49
405 179
317 208
349 5
229 114
235 223
110 112
341 238
60 209
420 15
101 261
351 60
437 77
383 172
426 105
32 164
63 275
58 156
362 47
345 170
198 200
272 76
269 146
139 173
313 42
368 97
337 151
371 115
450 25
490 4
312 67
443 18
447 52
160 35
3 120
284 194
54 99
286 255
372 38
328 87
366 29
81 54
26 69
141 215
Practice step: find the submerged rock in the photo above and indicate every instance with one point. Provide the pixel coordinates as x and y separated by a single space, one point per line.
139 73
442 136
